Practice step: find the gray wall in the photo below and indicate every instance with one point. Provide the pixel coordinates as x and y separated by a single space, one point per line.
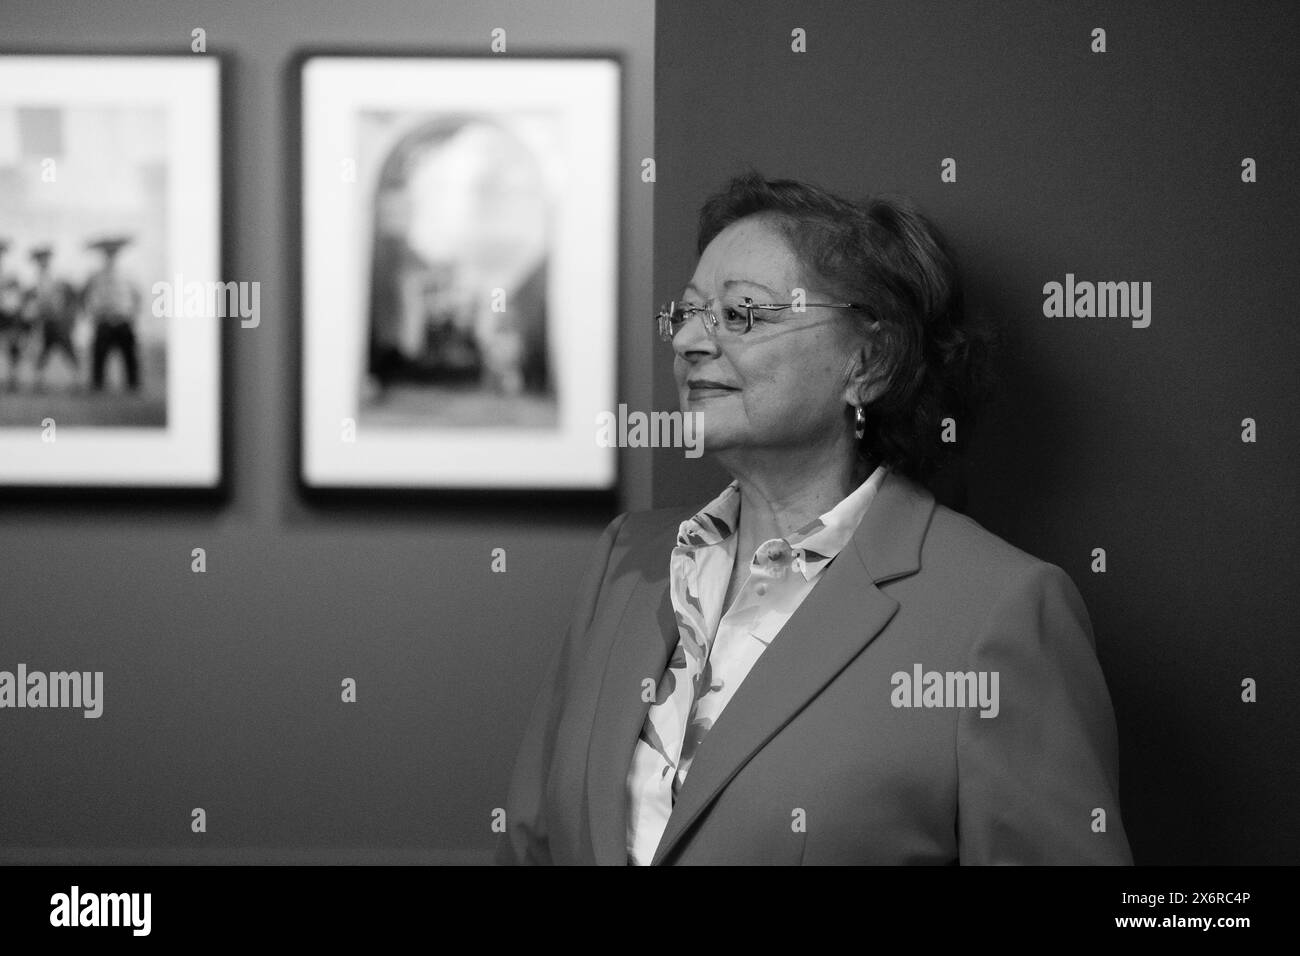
1115 166
222 689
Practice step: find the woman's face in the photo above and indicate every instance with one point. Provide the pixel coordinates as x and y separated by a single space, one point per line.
786 384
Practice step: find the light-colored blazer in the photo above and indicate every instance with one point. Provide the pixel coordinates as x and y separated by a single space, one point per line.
812 761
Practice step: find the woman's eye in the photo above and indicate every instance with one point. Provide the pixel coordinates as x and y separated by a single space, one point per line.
734 317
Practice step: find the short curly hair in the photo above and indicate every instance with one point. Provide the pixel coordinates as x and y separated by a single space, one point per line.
883 253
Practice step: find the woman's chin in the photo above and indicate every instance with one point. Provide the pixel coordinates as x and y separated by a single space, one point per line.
721 440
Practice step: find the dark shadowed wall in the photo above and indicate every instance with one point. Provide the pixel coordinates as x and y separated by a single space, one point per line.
1115 166
222 689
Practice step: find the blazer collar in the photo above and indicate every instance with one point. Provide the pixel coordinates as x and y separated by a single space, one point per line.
840 617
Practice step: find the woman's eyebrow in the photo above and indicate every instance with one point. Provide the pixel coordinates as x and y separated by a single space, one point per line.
731 283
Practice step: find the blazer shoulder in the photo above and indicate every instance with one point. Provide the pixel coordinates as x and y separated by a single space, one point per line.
967 539
636 543
958 548
978 580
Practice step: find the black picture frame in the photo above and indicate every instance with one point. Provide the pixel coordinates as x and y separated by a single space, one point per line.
507 482
191 463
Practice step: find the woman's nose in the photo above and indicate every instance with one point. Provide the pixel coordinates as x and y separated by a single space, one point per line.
692 339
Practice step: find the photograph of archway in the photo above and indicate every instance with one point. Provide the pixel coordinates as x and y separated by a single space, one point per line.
462 214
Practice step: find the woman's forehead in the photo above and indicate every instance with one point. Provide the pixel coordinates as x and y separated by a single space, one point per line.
749 254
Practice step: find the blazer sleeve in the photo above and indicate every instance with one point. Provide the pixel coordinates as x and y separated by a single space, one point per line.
1034 780
525 838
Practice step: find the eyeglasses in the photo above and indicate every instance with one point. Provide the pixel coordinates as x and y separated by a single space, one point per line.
733 318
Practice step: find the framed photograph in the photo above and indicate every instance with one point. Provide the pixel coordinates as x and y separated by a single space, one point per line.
460 264
109 222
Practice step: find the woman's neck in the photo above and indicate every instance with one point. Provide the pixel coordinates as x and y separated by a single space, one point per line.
779 497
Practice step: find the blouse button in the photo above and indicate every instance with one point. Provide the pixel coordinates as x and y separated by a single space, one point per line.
761 589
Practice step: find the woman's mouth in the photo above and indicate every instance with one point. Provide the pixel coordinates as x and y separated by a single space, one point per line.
707 388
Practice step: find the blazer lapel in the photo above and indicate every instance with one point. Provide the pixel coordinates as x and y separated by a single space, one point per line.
840 617
646 636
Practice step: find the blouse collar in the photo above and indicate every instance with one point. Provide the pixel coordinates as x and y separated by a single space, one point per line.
809 549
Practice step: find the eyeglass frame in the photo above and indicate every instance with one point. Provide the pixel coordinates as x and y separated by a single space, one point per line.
711 321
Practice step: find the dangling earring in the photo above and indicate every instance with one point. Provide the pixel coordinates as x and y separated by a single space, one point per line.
859 422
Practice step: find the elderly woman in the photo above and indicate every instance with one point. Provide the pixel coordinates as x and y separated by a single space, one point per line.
822 664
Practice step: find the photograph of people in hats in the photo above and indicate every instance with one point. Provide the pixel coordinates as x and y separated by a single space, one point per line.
82 216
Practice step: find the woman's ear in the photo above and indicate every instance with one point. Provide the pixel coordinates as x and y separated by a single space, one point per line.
866 379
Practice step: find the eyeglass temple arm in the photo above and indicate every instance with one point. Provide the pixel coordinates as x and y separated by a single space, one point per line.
807 305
